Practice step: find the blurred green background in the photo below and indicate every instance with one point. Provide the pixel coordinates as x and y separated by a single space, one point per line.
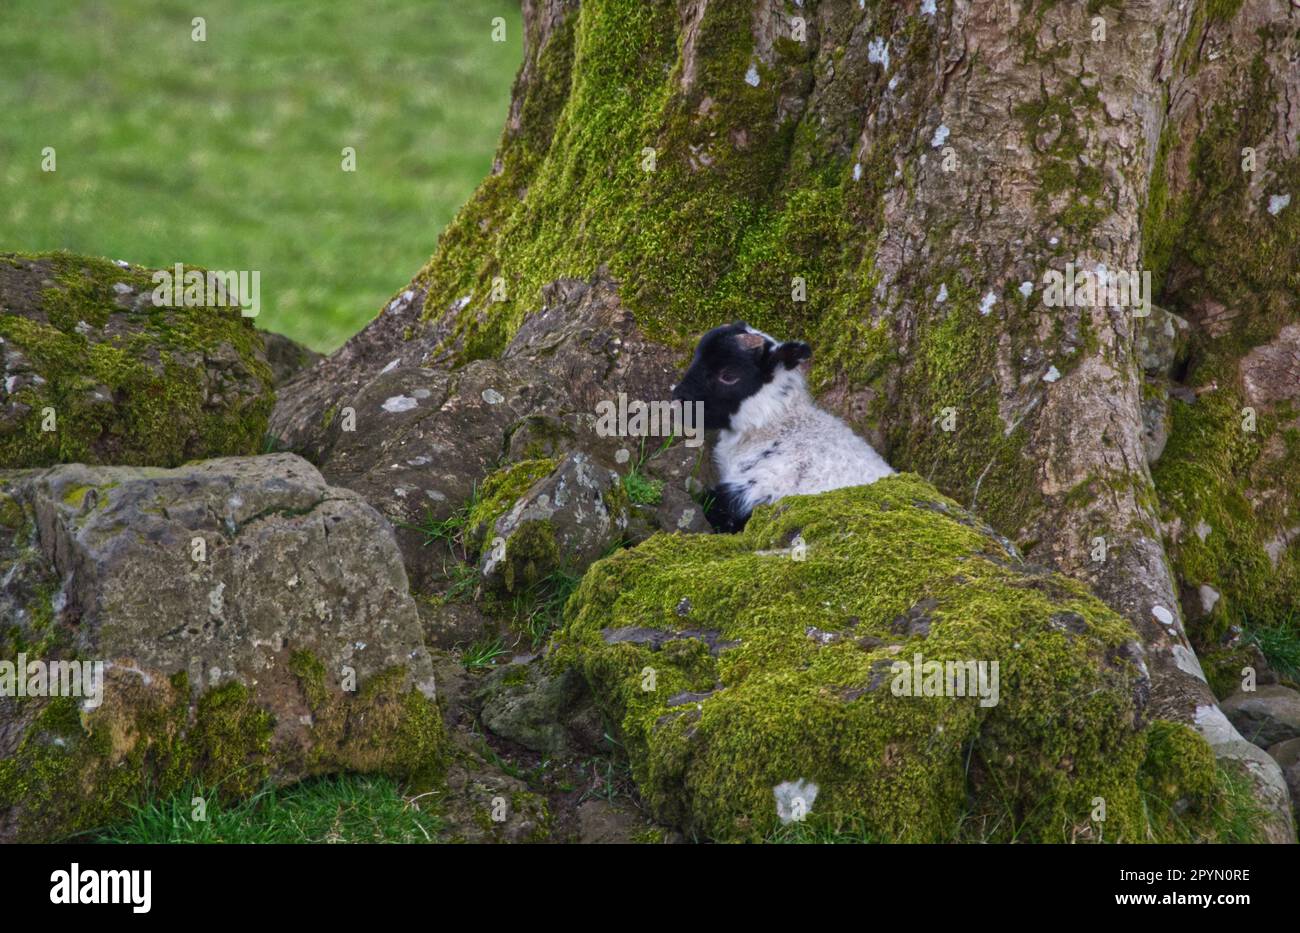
227 153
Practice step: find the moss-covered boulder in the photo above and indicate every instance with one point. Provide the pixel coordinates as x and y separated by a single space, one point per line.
253 624
755 674
91 371
565 520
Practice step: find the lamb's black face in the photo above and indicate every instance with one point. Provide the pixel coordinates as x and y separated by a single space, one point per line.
731 363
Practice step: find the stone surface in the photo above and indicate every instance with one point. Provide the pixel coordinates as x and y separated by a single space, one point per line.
603 822
1287 756
286 357
415 440
569 519
296 619
544 710
1266 716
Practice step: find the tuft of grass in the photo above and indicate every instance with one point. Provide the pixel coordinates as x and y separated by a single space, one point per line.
1233 817
641 489
342 809
811 832
539 609
1280 645
483 653
450 530
462 582
611 775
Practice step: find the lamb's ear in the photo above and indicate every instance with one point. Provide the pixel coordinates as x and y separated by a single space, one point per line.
792 353
749 341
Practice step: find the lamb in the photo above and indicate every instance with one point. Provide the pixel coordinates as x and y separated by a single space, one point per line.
774 441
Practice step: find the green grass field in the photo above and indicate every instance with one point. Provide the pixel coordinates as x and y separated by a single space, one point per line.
227 153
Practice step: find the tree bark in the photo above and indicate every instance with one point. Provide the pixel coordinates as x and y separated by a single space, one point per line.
916 168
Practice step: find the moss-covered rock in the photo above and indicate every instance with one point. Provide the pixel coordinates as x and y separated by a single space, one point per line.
253 624
565 520
92 371
498 492
735 666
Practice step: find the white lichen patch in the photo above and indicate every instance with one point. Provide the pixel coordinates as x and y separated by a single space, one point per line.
878 52
399 403
940 136
794 800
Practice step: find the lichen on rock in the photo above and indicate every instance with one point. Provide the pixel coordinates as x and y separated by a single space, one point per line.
254 624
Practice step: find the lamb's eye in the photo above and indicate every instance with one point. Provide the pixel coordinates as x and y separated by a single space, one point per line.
728 378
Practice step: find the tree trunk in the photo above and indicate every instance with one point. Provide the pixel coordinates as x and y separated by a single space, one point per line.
891 182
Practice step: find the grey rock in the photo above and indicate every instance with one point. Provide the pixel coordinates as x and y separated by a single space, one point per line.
423 433
1287 756
292 571
1155 420
568 519
607 822
286 357
543 710
1266 716
1161 337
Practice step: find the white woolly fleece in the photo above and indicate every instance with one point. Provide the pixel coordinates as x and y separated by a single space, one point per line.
781 444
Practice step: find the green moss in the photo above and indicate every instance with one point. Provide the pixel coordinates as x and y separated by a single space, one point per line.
498 492
1198 479
531 553
981 460
77 770
386 727
73 770
742 199
12 516
310 672
780 671
1179 763
230 740
1217 478
1212 244
137 399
